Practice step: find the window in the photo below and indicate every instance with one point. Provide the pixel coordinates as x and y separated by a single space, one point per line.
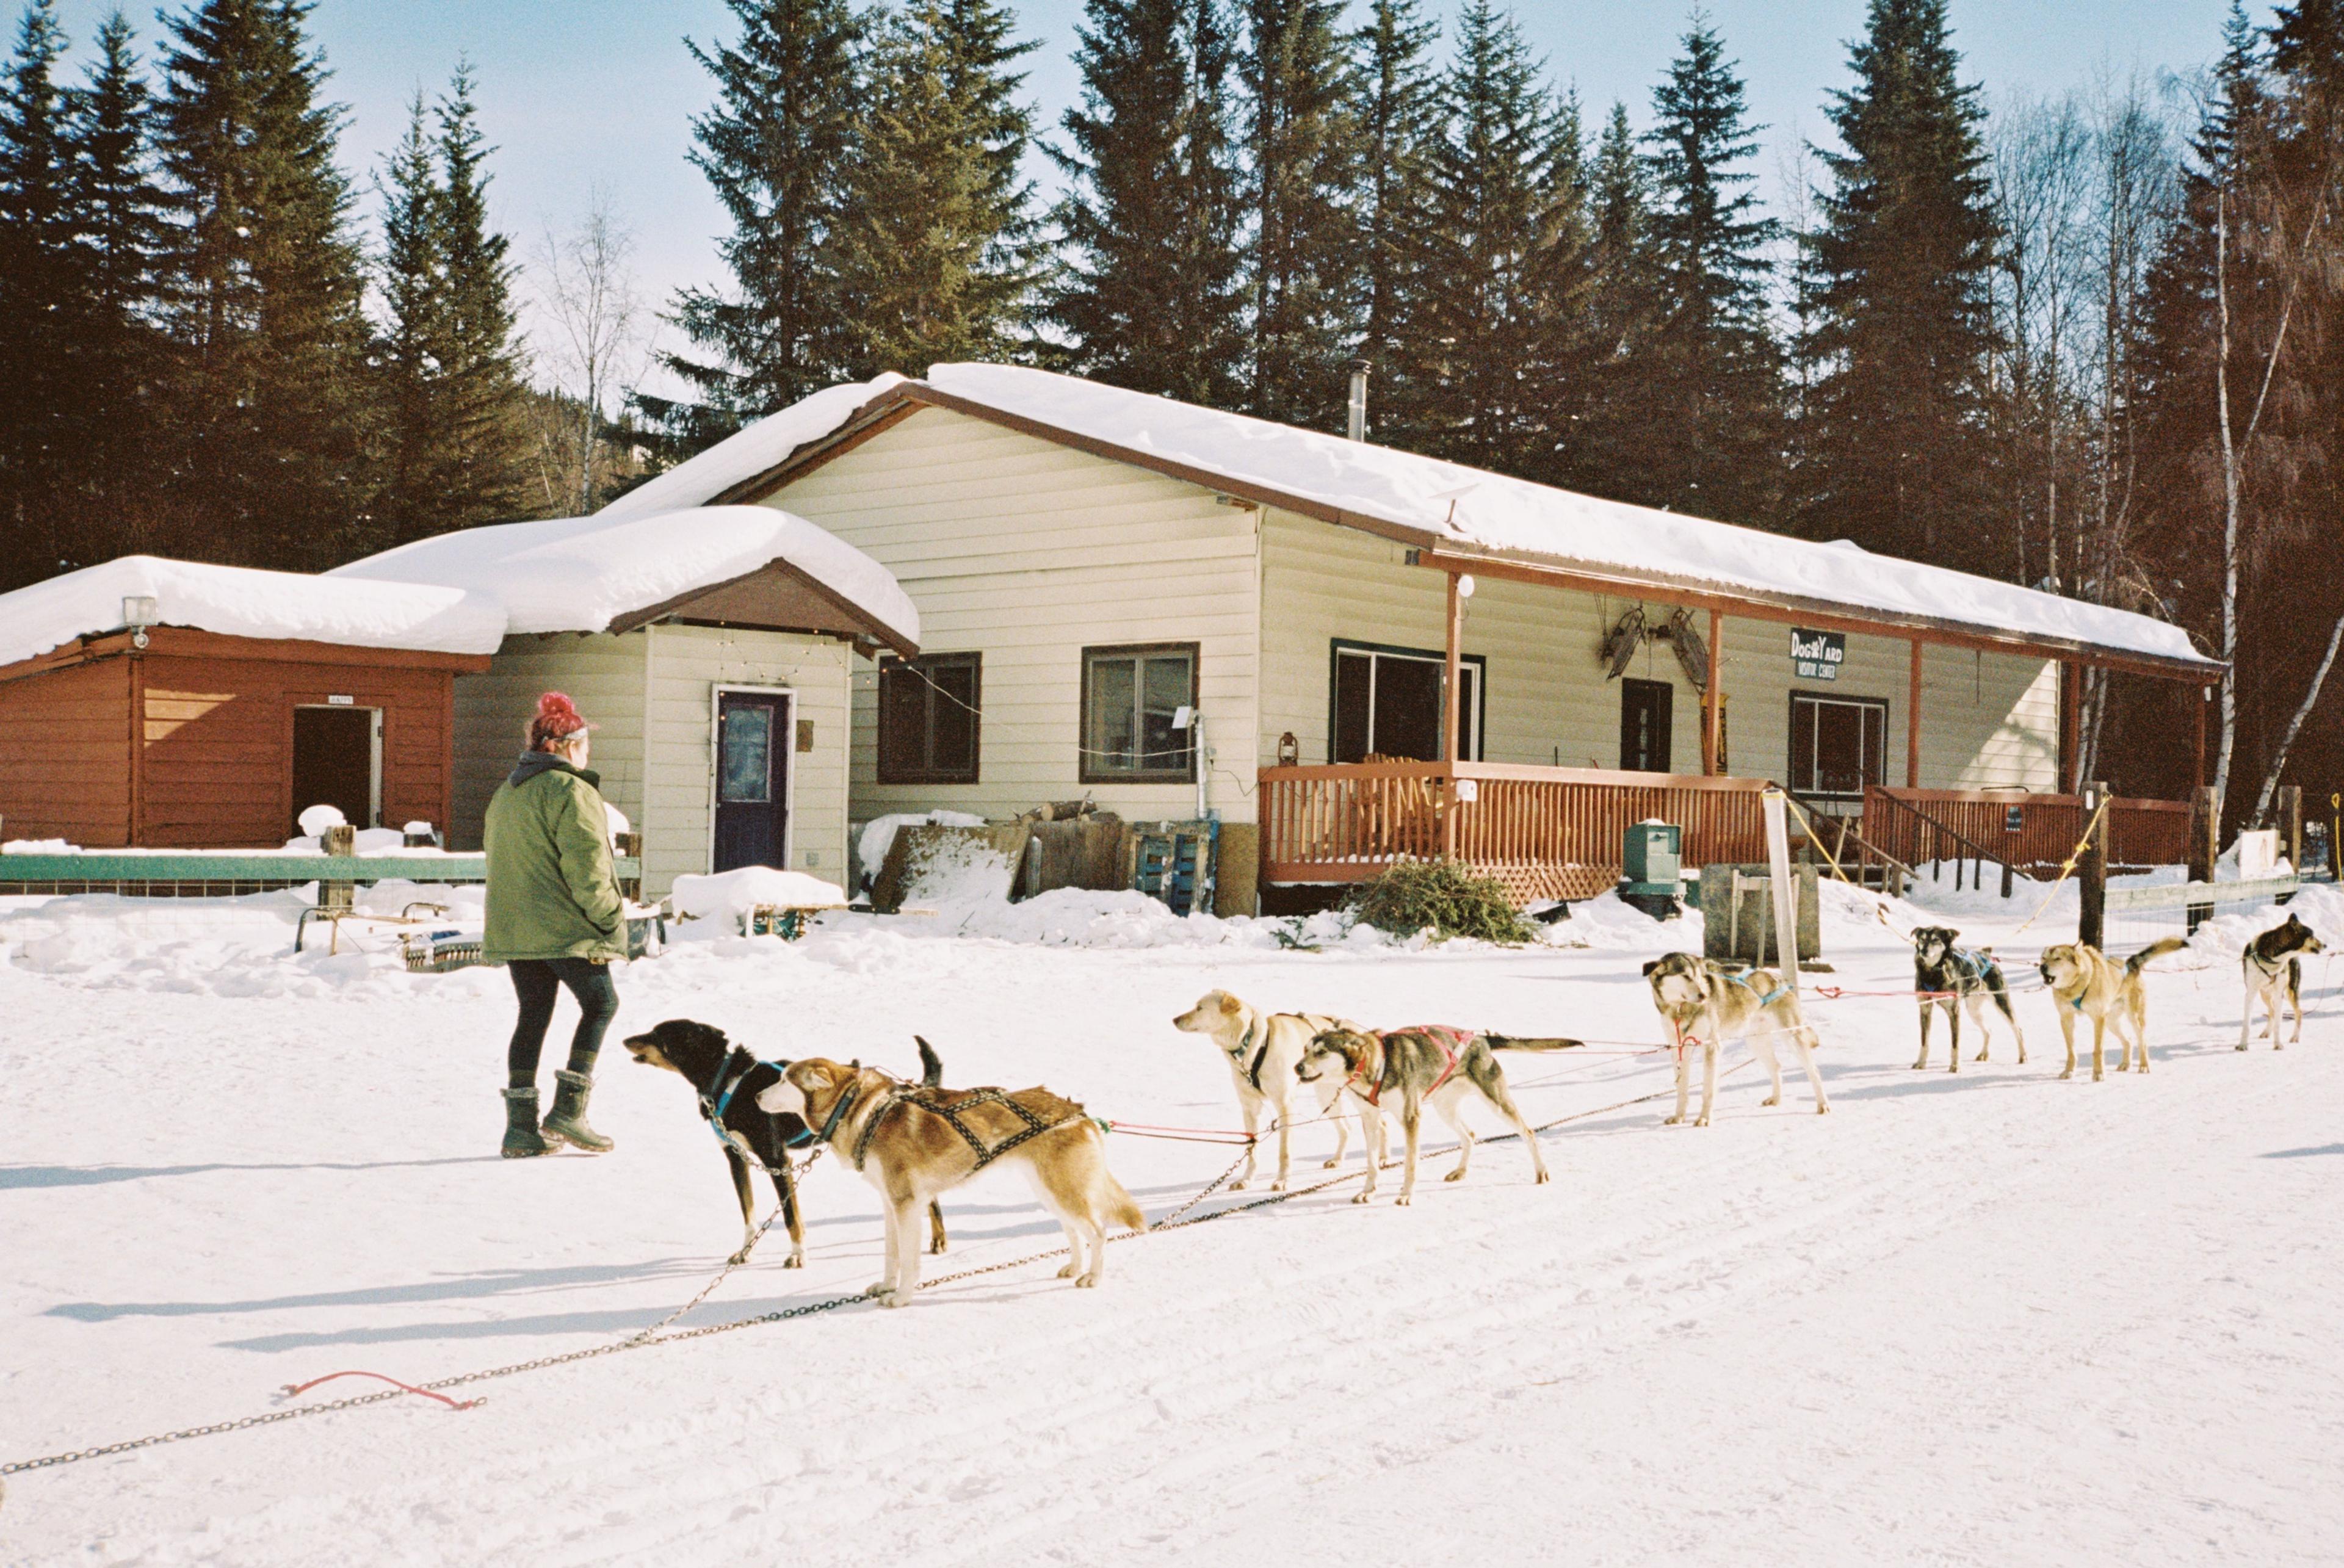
1645 708
1386 704
1839 745
1130 697
928 711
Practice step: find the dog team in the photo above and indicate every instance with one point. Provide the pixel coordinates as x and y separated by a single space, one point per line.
915 1142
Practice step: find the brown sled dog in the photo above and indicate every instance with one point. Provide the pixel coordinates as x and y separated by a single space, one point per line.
2087 983
916 1144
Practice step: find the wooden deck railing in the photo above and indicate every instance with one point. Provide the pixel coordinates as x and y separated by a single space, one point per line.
1544 833
2032 832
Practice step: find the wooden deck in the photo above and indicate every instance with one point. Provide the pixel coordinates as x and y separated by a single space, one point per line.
1544 833
2032 833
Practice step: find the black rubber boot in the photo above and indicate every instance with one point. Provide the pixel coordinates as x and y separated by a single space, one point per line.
521 1138
568 1120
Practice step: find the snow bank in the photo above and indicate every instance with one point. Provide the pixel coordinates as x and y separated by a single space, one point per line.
238 602
1488 510
581 573
765 445
726 896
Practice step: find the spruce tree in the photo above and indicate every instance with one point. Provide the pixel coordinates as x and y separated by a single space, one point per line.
411 274
1711 372
936 248
1495 343
1304 145
264 288
119 236
1613 433
776 148
1399 106
1151 293
38 302
1897 276
482 468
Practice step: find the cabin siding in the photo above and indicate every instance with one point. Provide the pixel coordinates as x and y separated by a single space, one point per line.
688 663
65 755
602 674
1989 721
1028 552
658 770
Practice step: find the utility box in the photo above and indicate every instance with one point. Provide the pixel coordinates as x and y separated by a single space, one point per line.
1650 875
1737 910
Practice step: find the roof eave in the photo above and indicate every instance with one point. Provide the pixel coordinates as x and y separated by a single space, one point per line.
900 401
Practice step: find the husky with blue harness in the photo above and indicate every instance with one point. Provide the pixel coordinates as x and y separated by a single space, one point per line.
1958 980
728 1077
1707 1004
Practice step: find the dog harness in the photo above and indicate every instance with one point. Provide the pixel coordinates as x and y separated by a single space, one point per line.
714 1107
935 1101
1769 999
1452 1043
1257 1030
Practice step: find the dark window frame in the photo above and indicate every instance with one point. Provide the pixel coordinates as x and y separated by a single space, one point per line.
1791 731
1086 769
1474 746
892 770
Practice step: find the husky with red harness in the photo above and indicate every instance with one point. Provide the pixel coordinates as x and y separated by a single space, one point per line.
1427 1065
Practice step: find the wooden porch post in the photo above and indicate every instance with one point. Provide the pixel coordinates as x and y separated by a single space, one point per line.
2205 696
1913 724
2068 681
1712 698
1452 680
1451 705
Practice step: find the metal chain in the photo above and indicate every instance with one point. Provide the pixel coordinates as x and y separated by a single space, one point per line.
738 1258
1178 1218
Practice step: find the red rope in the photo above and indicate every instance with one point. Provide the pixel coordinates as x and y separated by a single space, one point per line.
293 1391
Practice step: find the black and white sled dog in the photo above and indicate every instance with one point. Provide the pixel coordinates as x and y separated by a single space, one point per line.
1705 1001
1958 980
2273 969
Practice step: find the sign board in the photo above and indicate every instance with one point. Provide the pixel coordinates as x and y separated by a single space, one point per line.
342 702
1817 655
2014 819
1468 789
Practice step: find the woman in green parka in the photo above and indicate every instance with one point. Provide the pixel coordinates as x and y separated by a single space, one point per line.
554 920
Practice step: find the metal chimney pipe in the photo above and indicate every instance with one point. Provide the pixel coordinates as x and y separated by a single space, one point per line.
1356 425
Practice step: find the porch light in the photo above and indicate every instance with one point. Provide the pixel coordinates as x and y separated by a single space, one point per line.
139 610
1464 585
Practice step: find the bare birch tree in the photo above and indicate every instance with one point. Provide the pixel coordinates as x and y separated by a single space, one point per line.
599 333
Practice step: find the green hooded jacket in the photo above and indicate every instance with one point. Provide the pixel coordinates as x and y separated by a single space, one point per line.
551 893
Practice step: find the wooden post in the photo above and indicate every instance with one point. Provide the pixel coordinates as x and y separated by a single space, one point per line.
1913 724
1712 698
1451 705
2092 871
2205 836
2068 719
2205 700
1453 677
2290 824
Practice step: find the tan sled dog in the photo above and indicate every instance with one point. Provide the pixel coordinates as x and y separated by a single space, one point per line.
2087 983
1712 1005
1424 1066
916 1144
1263 1050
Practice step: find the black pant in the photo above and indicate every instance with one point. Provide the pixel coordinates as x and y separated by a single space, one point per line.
537 981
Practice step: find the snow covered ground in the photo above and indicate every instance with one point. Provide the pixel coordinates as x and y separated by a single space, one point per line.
1991 1318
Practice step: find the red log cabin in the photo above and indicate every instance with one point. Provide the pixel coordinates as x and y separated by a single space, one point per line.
168 704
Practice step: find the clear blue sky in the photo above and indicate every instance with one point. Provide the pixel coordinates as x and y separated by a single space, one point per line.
579 91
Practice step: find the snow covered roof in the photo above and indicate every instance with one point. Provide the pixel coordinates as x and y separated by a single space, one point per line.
1454 509
592 573
239 602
